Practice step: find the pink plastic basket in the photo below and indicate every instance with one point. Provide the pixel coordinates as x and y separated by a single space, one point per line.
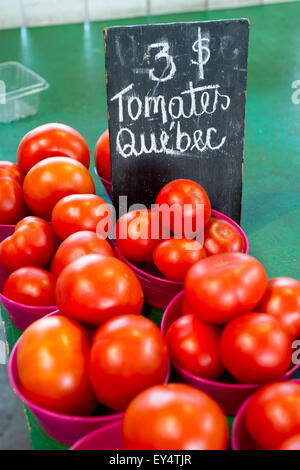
240 439
230 396
107 184
158 291
63 428
109 437
6 231
21 315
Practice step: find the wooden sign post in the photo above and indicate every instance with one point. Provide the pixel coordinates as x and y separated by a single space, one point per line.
176 102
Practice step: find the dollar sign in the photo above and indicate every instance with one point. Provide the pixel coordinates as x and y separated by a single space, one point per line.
202 51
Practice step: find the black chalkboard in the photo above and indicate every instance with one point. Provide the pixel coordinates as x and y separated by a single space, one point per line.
176 104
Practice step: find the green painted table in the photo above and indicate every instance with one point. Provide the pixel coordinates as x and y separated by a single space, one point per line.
71 58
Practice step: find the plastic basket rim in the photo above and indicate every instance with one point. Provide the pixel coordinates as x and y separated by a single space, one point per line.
42 84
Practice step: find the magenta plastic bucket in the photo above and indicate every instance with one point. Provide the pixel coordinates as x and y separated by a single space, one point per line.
230 396
6 231
109 437
240 439
107 184
159 291
63 428
21 315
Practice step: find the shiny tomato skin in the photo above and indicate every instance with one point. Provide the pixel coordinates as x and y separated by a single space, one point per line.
186 309
80 212
292 443
52 179
182 192
32 244
95 288
282 299
222 286
52 140
174 417
31 286
52 360
273 414
255 348
221 237
102 156
128 355
12 204
11 169
77 245
174 257
134 235
194 346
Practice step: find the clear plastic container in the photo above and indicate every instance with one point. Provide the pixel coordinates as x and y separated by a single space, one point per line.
20 90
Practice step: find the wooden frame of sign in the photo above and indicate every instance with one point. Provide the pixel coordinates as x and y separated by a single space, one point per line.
176 103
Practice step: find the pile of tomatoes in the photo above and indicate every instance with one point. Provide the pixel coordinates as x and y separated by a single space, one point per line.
99 355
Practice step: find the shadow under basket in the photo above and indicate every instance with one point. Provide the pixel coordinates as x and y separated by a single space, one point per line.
240 438
230 396
21 315
160 291
63 428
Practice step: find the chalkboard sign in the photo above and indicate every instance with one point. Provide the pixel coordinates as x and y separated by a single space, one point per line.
176 102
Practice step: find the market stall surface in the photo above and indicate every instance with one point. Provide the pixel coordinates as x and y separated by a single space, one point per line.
71 58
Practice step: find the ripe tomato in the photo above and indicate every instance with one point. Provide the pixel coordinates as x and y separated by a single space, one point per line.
194 346
174 257
255 348
95 288
52 359
273 414
31 286
185 308
77 245
220 287
292 443
102 156
52 179
174 417
136 234
32 244
12 204
11 169
191 202
81 212
52 140
221 237
282 299
128 355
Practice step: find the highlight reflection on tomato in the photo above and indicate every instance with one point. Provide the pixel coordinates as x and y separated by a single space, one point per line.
12 170
129 354
221 237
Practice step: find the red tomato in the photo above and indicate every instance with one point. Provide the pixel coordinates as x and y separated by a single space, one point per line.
292 443
221 237
32 244
174 257
174 417
220 287
77 245
52 179
11 169
282 299
194 346
102 156
95 288
129 354
52 140
136 235
185 308
52 360
31 286
81 212
12 204
190 200
273 414
255 348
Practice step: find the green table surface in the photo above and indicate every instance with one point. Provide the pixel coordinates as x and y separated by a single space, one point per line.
71 59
